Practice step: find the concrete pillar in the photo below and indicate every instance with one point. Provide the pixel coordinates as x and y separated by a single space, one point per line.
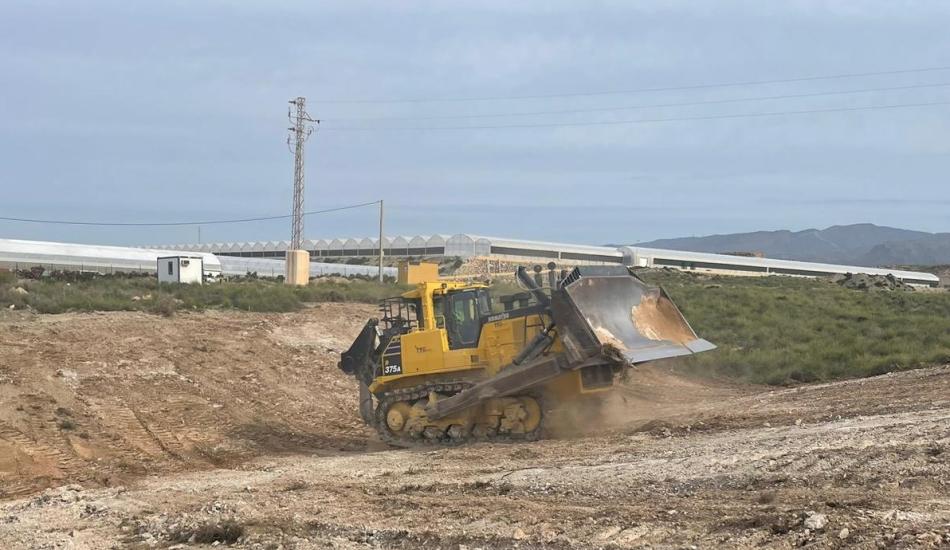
298 267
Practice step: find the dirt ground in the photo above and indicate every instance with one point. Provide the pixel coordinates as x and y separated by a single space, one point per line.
130 430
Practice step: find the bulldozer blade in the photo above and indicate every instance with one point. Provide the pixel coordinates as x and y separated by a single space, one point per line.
607 310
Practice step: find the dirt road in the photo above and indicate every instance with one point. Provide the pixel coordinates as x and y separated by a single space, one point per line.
238 428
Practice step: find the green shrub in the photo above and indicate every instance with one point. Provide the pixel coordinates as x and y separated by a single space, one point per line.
782 330
59 295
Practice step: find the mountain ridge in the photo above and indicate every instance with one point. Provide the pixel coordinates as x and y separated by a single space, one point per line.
863 244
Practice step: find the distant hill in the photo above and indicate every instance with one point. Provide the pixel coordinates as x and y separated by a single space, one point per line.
934 249
860 244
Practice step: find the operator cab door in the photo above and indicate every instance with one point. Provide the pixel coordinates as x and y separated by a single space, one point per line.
463 312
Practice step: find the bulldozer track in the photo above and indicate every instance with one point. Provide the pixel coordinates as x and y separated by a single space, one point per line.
166 440
123 420
67 463
414 393
17 488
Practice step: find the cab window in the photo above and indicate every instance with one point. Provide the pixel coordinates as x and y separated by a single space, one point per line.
462 312
438 310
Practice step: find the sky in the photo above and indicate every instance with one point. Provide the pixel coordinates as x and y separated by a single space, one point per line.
177 111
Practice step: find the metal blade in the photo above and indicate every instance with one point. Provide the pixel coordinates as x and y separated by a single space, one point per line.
621 312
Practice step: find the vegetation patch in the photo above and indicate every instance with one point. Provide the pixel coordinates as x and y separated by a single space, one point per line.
137 293
785 330
769 330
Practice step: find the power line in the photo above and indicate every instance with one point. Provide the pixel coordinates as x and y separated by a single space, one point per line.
646 106
640 90
637 121
211 222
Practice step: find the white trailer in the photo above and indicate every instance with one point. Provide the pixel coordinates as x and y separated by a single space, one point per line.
180 269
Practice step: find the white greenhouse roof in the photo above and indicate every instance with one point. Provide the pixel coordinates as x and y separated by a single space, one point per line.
90 257
467 245
770 263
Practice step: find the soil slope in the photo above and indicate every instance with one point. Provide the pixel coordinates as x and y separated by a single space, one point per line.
104 398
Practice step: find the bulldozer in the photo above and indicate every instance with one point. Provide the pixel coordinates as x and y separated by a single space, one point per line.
445 364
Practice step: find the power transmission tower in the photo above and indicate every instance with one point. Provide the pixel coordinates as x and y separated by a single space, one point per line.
300 131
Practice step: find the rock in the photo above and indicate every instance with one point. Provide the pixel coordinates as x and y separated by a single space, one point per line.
900 515
844 533
798 421
863 281
815 521
518 534
930 539
548 534
12 306
20 290
627 536
608 533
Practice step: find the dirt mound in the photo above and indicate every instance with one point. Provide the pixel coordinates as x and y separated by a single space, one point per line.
101 398
863 281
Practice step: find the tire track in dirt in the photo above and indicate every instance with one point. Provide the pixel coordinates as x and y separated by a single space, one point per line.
42 465
118 419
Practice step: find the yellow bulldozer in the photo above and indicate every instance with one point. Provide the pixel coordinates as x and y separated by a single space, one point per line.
444 364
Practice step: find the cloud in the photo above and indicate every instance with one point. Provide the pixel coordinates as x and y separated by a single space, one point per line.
116 110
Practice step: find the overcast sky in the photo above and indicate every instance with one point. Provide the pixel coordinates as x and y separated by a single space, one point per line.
176 111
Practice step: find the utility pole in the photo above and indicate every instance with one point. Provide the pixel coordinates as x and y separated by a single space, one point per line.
301 131
380 240
298 260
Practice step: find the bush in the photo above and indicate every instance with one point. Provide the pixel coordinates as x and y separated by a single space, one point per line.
66 424
165 306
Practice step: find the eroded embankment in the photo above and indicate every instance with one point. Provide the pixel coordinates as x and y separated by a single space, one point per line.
103 398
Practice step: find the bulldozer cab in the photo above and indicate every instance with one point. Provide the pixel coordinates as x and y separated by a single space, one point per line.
431 328
460 313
